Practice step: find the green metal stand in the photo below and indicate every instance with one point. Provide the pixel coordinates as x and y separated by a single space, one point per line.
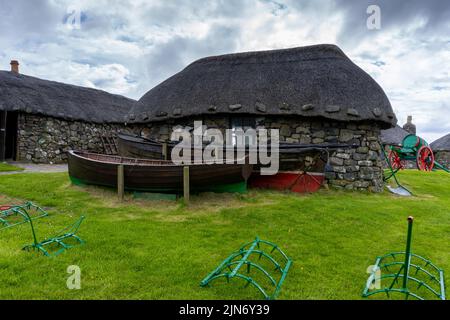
231 267
18 214
426 275
400 189
60 241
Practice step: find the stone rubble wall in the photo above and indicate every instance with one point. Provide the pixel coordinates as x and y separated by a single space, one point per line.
356 168
443 157
47 140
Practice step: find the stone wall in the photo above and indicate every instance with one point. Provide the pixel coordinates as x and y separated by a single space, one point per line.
443 157
355 168
47 140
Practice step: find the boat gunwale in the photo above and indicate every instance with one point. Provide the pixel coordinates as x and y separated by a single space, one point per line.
149 162
139 139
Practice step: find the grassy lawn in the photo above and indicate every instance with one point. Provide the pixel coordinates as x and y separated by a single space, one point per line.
144 249
4 167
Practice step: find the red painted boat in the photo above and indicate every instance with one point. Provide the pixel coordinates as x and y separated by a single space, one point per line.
295 181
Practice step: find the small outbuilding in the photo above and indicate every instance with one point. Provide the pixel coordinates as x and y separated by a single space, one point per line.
441 149
313 95
40 120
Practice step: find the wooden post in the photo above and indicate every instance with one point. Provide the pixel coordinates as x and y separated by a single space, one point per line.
120 182
2 135
164 150
186 184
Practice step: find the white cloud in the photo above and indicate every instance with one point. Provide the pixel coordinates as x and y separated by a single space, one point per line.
128 47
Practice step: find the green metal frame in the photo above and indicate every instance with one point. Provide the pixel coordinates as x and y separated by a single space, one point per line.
20 210
410 146
392 174
406 262
240 258
63 235
440 166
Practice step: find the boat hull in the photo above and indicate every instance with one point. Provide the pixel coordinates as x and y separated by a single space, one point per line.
295 181
137 147
156 175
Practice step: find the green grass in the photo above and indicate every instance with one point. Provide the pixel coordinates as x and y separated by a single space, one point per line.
161 250
4 167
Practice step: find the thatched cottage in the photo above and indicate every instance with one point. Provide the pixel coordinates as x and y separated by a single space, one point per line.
40 120
441 149
393 136
313 94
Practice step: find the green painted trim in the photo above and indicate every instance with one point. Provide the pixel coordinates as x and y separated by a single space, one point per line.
77 182
240 187
154 196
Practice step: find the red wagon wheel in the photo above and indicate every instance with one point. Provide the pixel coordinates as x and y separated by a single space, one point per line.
425 159
394 159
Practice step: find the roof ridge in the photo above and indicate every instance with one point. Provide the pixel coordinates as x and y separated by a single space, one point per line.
29 94
21 75
322 82
331 48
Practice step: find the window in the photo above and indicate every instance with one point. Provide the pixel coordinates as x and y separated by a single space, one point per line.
243 123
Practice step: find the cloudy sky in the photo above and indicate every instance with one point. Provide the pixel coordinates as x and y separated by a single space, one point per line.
127 47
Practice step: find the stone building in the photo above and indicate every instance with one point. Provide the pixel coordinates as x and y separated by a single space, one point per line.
441 149
40 120
313 94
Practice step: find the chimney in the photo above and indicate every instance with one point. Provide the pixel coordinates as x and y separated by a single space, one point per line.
409 119
409 126
14 66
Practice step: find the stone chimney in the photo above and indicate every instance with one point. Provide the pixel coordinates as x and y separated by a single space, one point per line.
14 66
409 126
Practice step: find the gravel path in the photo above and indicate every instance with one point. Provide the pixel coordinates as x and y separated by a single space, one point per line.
32 167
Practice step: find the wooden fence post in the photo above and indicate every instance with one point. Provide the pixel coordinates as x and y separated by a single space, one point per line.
186 184
164 150
120 182
2 135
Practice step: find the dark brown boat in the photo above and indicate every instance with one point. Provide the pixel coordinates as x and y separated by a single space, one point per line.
156 175
135 146
138 147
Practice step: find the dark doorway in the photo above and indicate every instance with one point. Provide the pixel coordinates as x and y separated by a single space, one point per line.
11 136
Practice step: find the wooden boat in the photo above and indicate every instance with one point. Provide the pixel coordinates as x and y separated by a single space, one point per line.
296 173
293 175
295 181
138 147
156 175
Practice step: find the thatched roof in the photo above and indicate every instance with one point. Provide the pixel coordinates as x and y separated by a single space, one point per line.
393 136
441 144
313 81
19 92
